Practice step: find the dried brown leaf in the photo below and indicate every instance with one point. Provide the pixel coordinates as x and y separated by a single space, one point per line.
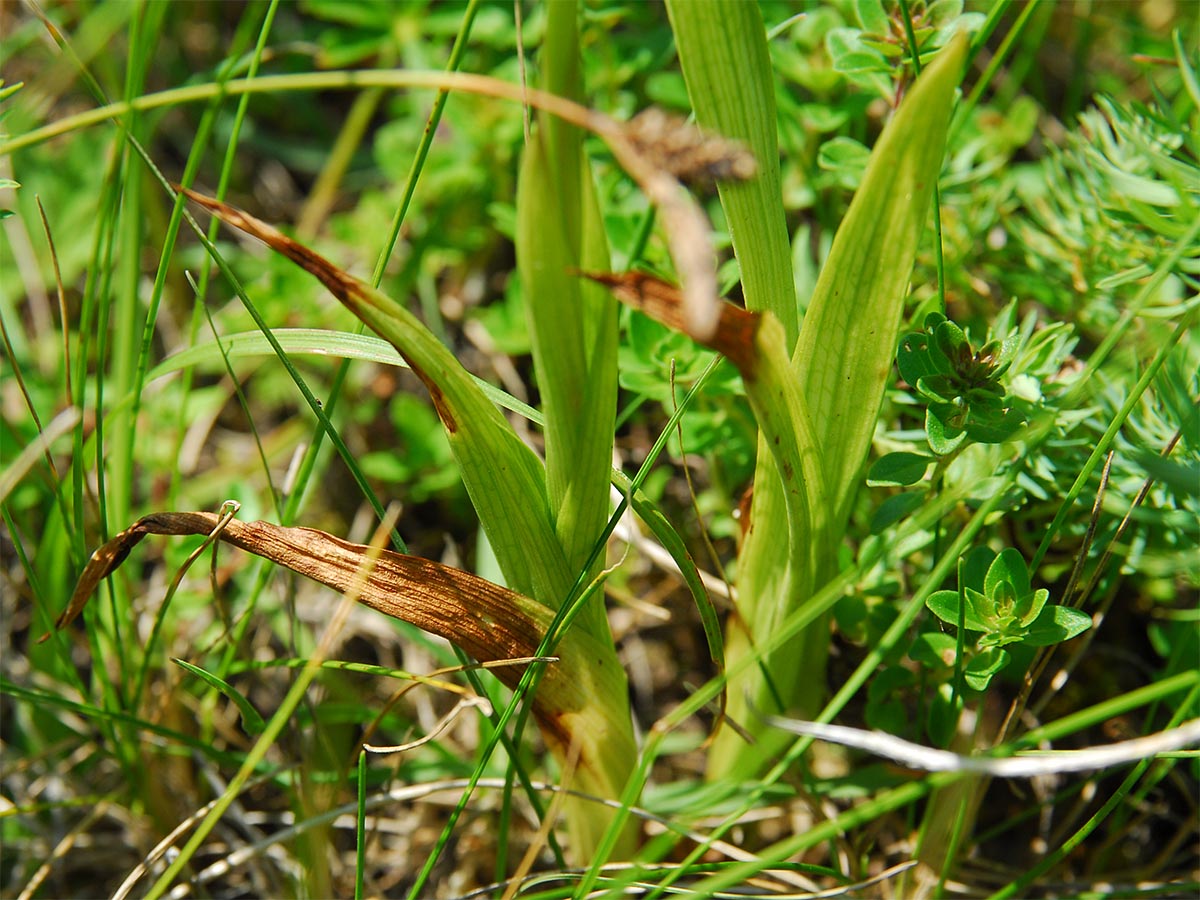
692 155
663 302
338 282
354 294
486 620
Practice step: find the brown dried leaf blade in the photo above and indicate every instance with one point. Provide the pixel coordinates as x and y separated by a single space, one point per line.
663 302
689 153
486 620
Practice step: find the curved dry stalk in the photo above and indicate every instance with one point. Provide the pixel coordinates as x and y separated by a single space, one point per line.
160 849
434 680
62 849
769 888
917 756
39 446
472 701
541 838
656 151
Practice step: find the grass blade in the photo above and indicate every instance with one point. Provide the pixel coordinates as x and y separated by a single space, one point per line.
252 722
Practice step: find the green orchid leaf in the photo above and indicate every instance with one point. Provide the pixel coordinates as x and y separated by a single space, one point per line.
727 66
815 440
572 322
843 342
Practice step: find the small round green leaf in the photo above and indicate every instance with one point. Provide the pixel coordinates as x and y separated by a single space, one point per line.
898 469
934 648
871 16
943 437
980 670
1055 625
1008 567
944 605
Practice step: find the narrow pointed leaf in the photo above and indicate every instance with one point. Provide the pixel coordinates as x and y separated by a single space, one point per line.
846 346
252 722
573 331
315 342
727 67
724 56
503 477
572 323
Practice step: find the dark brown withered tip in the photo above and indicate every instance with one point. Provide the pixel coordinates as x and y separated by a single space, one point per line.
692 155
662 301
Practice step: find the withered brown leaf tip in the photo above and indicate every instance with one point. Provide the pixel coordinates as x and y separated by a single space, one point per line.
692 155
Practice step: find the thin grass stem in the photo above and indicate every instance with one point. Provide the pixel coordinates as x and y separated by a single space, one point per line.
360 827
228 68
938 254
